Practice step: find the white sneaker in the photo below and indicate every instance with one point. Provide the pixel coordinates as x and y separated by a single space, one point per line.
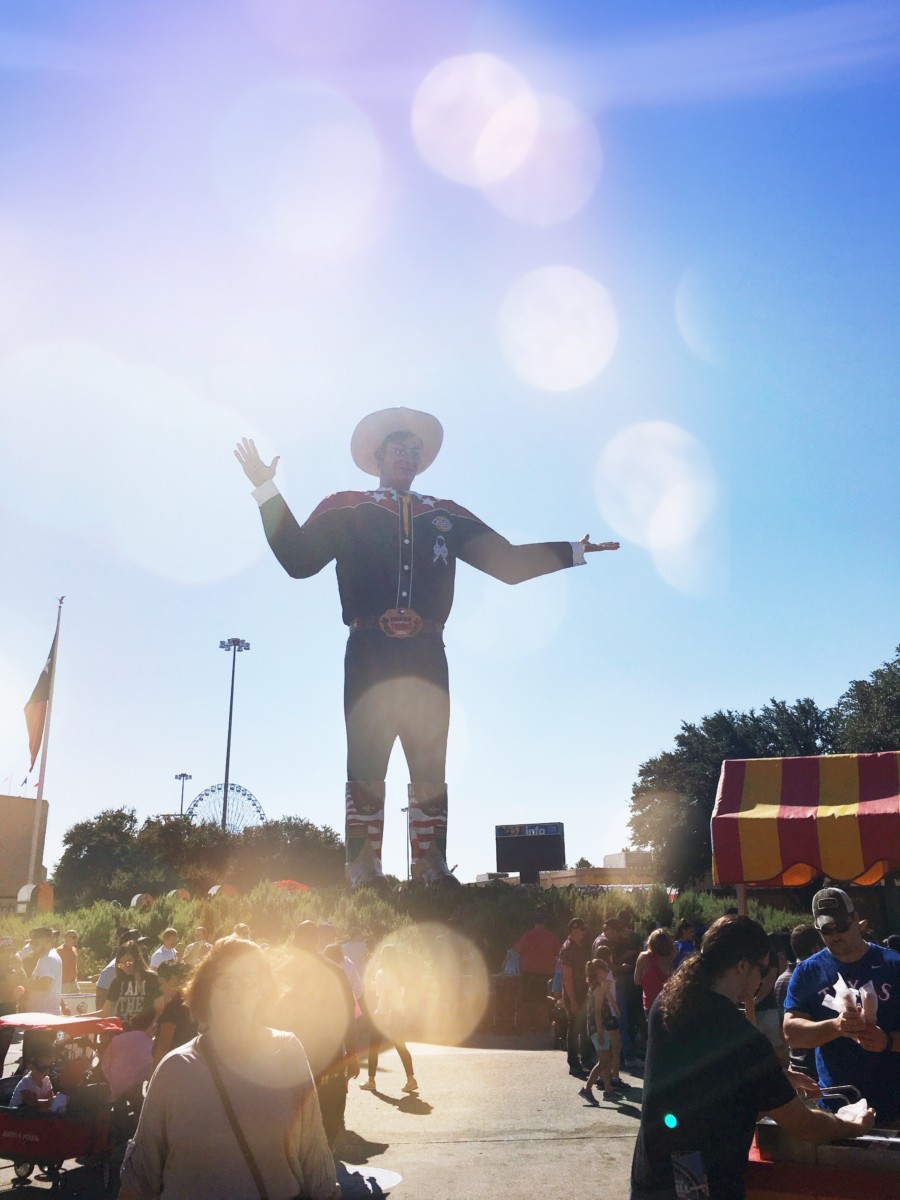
410 1085
368 1086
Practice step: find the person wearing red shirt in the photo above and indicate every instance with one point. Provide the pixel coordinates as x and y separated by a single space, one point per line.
654 966
538 950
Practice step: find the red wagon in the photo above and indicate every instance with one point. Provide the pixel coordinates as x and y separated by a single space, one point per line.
86 1130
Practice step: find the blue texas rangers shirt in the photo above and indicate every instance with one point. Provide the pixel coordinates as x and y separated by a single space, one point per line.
843 1061
399 549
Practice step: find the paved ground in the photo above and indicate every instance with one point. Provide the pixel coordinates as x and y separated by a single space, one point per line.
497 1119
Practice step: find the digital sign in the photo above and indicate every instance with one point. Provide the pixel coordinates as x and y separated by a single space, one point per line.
529 849
549 829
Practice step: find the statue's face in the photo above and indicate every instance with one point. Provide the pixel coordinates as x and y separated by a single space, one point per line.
399 459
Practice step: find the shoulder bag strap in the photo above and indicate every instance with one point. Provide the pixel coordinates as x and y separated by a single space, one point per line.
232 1119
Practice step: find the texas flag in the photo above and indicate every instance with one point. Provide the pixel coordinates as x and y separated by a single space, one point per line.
36 708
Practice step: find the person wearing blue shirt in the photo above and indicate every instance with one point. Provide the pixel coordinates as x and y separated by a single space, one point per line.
849 1050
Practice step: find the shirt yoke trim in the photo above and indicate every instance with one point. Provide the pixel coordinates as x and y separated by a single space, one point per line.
387 501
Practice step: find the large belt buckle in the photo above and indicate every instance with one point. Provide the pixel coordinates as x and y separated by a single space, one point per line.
400 622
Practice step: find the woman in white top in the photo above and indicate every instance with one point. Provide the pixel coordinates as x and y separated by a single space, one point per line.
186 1146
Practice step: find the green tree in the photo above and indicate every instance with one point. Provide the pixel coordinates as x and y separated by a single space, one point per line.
673 798
187 855
867 716
99 860
291 848
109 858
583 863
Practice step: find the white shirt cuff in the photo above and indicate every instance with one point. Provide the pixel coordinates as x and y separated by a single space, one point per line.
267 490
577 554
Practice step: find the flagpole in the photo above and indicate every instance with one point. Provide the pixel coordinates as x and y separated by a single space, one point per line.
32 865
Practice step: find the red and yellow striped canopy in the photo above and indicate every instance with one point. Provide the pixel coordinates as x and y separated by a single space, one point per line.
783 821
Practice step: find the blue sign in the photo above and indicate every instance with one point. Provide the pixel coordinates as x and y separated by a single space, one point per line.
550 829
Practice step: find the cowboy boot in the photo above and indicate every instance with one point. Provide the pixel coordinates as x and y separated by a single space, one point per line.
428 831
364 831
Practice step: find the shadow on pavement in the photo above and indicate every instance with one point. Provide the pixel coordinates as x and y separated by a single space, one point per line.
412 1105
355 1149
77 1183
354 1184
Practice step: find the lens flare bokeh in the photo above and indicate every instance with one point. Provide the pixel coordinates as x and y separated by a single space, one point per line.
299 165
558 328
475 119
655 485
431 984
129 461
509 625
559 175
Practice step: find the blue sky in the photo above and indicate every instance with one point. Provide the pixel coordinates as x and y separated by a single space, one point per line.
641 263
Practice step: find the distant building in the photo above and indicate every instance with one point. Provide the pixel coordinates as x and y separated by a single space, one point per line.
629 860
622 877
17 823
631 868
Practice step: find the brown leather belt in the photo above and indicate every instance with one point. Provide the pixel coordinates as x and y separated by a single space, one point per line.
397 623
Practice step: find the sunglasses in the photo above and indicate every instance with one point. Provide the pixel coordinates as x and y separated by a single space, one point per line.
45 1066
834 927
764 970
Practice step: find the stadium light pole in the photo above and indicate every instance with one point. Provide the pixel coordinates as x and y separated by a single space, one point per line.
234 645
183 775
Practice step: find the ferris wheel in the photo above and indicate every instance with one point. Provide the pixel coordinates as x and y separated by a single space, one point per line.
243 808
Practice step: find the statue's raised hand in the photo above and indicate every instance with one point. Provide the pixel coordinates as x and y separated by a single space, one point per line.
255 469
592 547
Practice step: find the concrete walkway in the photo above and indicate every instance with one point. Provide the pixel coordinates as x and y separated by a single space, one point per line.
491 1121
500 1118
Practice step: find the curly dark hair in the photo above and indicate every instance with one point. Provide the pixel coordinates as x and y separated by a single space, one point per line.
727 942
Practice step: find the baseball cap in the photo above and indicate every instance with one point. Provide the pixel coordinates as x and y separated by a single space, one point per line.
832 905
173 970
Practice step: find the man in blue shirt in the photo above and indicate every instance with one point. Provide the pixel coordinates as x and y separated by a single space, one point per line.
849 1050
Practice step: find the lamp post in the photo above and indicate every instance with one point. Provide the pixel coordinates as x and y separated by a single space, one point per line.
406 810
183 776
234 645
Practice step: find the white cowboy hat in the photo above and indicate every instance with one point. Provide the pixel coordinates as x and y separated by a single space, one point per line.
368 436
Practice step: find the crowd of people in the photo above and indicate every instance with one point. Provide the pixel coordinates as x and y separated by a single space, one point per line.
722 1024
276 1033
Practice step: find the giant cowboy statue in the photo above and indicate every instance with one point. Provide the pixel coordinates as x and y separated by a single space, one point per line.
396 553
